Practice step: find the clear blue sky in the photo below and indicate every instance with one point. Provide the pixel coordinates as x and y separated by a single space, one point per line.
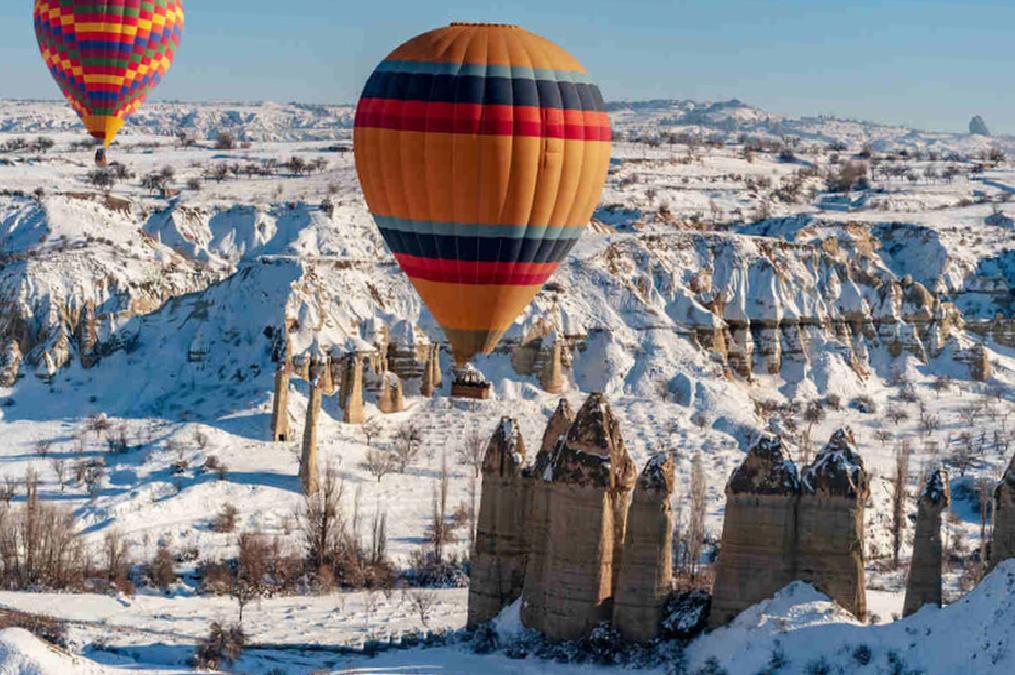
926 63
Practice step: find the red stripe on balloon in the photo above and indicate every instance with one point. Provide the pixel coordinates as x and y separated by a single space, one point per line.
492 120
470 272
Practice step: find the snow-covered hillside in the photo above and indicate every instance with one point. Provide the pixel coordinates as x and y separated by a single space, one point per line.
722 288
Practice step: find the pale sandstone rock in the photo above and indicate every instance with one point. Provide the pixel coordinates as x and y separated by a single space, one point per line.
280 404
646 570
352 408
499 554
590 476
829 550
758 551
308 458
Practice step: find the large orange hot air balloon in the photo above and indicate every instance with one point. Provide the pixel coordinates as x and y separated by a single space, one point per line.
482 150
107 55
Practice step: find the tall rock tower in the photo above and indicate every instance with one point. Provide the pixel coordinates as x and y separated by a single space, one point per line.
308 459
758 552
830 523
646 569
924 584
590 476
499 556
352 404
280 404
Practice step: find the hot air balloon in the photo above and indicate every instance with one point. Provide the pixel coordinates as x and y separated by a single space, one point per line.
482 150
107 55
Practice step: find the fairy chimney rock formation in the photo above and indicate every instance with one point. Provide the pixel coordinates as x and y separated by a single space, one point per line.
308 459
781 528
924 584
536 513
829 551
1003 543
499 554
352 410
590 476
646 568
558 426
552 377
758 551
280 404
390 398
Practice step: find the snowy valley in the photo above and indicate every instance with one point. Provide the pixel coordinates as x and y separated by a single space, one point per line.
744 273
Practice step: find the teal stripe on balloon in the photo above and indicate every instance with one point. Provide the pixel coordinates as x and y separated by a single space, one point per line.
460 230
483 70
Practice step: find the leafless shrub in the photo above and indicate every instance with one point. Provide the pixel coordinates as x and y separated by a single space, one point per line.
225 141
422 602
222 647
407 444
225 521
379 463
162 571
472 451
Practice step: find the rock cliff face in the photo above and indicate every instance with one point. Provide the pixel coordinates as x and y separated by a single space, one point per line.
646 569
758 550
830 523
924 584
499 555
780 528
10 363
1002 545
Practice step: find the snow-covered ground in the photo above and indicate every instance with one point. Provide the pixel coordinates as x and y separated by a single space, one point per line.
185 287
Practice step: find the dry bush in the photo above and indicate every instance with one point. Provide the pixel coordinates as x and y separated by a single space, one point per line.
223 646
333 554
43 627
162 570
225 521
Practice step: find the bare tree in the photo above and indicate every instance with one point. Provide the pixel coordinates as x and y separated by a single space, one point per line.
963 455
696 524
371 430
60 469
985 489
379 463
407 443
896 414
929 423
472 451
439 530
899 482
422 603
322 520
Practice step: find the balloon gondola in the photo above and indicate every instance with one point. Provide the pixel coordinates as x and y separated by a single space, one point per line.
107 56
482 150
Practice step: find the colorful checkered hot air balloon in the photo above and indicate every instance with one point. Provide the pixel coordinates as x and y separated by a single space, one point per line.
107 55
482 150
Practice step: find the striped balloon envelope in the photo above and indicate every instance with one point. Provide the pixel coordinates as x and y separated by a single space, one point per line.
482 150
107 55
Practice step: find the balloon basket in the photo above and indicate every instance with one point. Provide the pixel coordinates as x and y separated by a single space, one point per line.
470 383
100 158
